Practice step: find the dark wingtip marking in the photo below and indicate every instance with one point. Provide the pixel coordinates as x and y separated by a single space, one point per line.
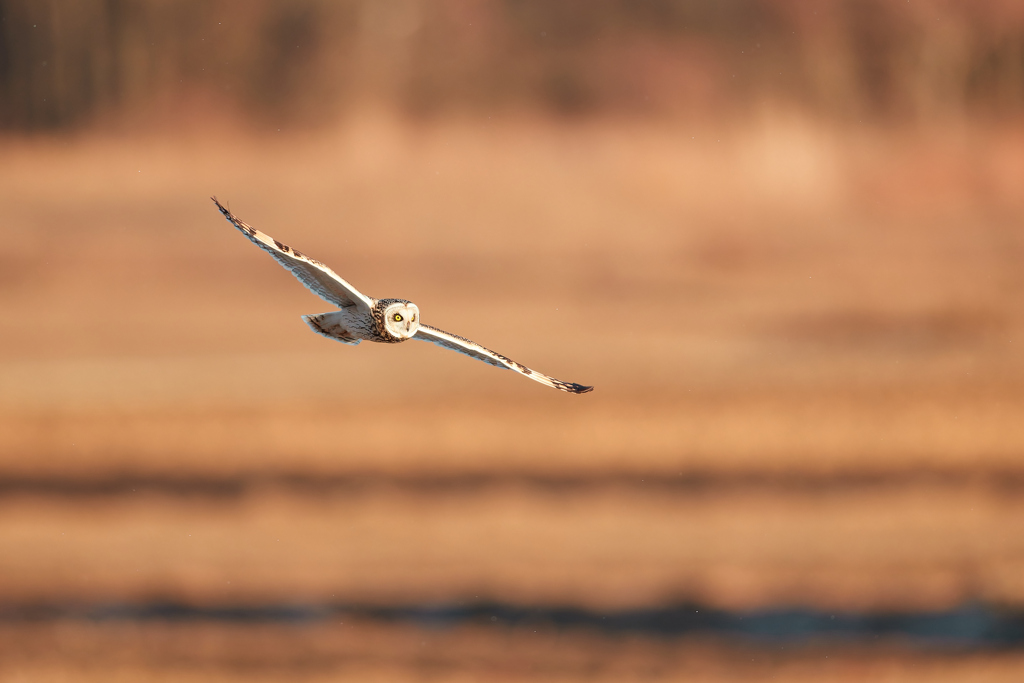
251 232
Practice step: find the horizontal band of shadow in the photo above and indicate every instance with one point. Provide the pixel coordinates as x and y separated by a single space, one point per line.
970 626
999 481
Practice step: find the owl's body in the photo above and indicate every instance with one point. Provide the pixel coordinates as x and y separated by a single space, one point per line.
362 318
354 324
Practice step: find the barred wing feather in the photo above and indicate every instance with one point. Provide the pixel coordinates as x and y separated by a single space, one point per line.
320 279
474 350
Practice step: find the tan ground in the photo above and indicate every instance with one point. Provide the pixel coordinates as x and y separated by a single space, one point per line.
356 651
823 322
776 295
902 547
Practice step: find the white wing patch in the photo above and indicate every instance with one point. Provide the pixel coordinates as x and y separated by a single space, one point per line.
474 350
320 279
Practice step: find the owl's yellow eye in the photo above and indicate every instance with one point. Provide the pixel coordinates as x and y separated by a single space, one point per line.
398 318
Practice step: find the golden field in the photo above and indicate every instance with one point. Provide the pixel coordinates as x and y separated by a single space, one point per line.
803 338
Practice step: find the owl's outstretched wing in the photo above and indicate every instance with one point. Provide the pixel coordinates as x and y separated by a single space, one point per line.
320 279
474 350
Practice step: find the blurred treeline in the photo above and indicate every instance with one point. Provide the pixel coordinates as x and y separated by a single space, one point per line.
63 63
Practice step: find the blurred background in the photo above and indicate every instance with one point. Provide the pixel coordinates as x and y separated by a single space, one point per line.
782 239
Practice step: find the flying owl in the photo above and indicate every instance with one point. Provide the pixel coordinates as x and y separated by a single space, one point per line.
360 317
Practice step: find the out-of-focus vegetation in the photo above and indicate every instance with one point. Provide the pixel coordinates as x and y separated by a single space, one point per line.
65 63
781 237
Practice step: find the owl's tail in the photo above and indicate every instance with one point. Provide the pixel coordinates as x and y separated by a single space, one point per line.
330 325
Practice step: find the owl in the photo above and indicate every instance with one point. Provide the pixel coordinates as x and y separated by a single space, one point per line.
362 318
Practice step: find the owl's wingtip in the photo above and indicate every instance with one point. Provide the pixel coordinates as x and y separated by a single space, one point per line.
580 389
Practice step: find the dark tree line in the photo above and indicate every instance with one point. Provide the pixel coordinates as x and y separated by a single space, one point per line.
64 62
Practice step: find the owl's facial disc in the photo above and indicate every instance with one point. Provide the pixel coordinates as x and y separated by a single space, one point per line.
402 320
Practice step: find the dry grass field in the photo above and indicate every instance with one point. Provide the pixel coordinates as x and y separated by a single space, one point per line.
354 651
804 339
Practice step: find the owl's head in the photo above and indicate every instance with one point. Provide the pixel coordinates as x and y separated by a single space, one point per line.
402 319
